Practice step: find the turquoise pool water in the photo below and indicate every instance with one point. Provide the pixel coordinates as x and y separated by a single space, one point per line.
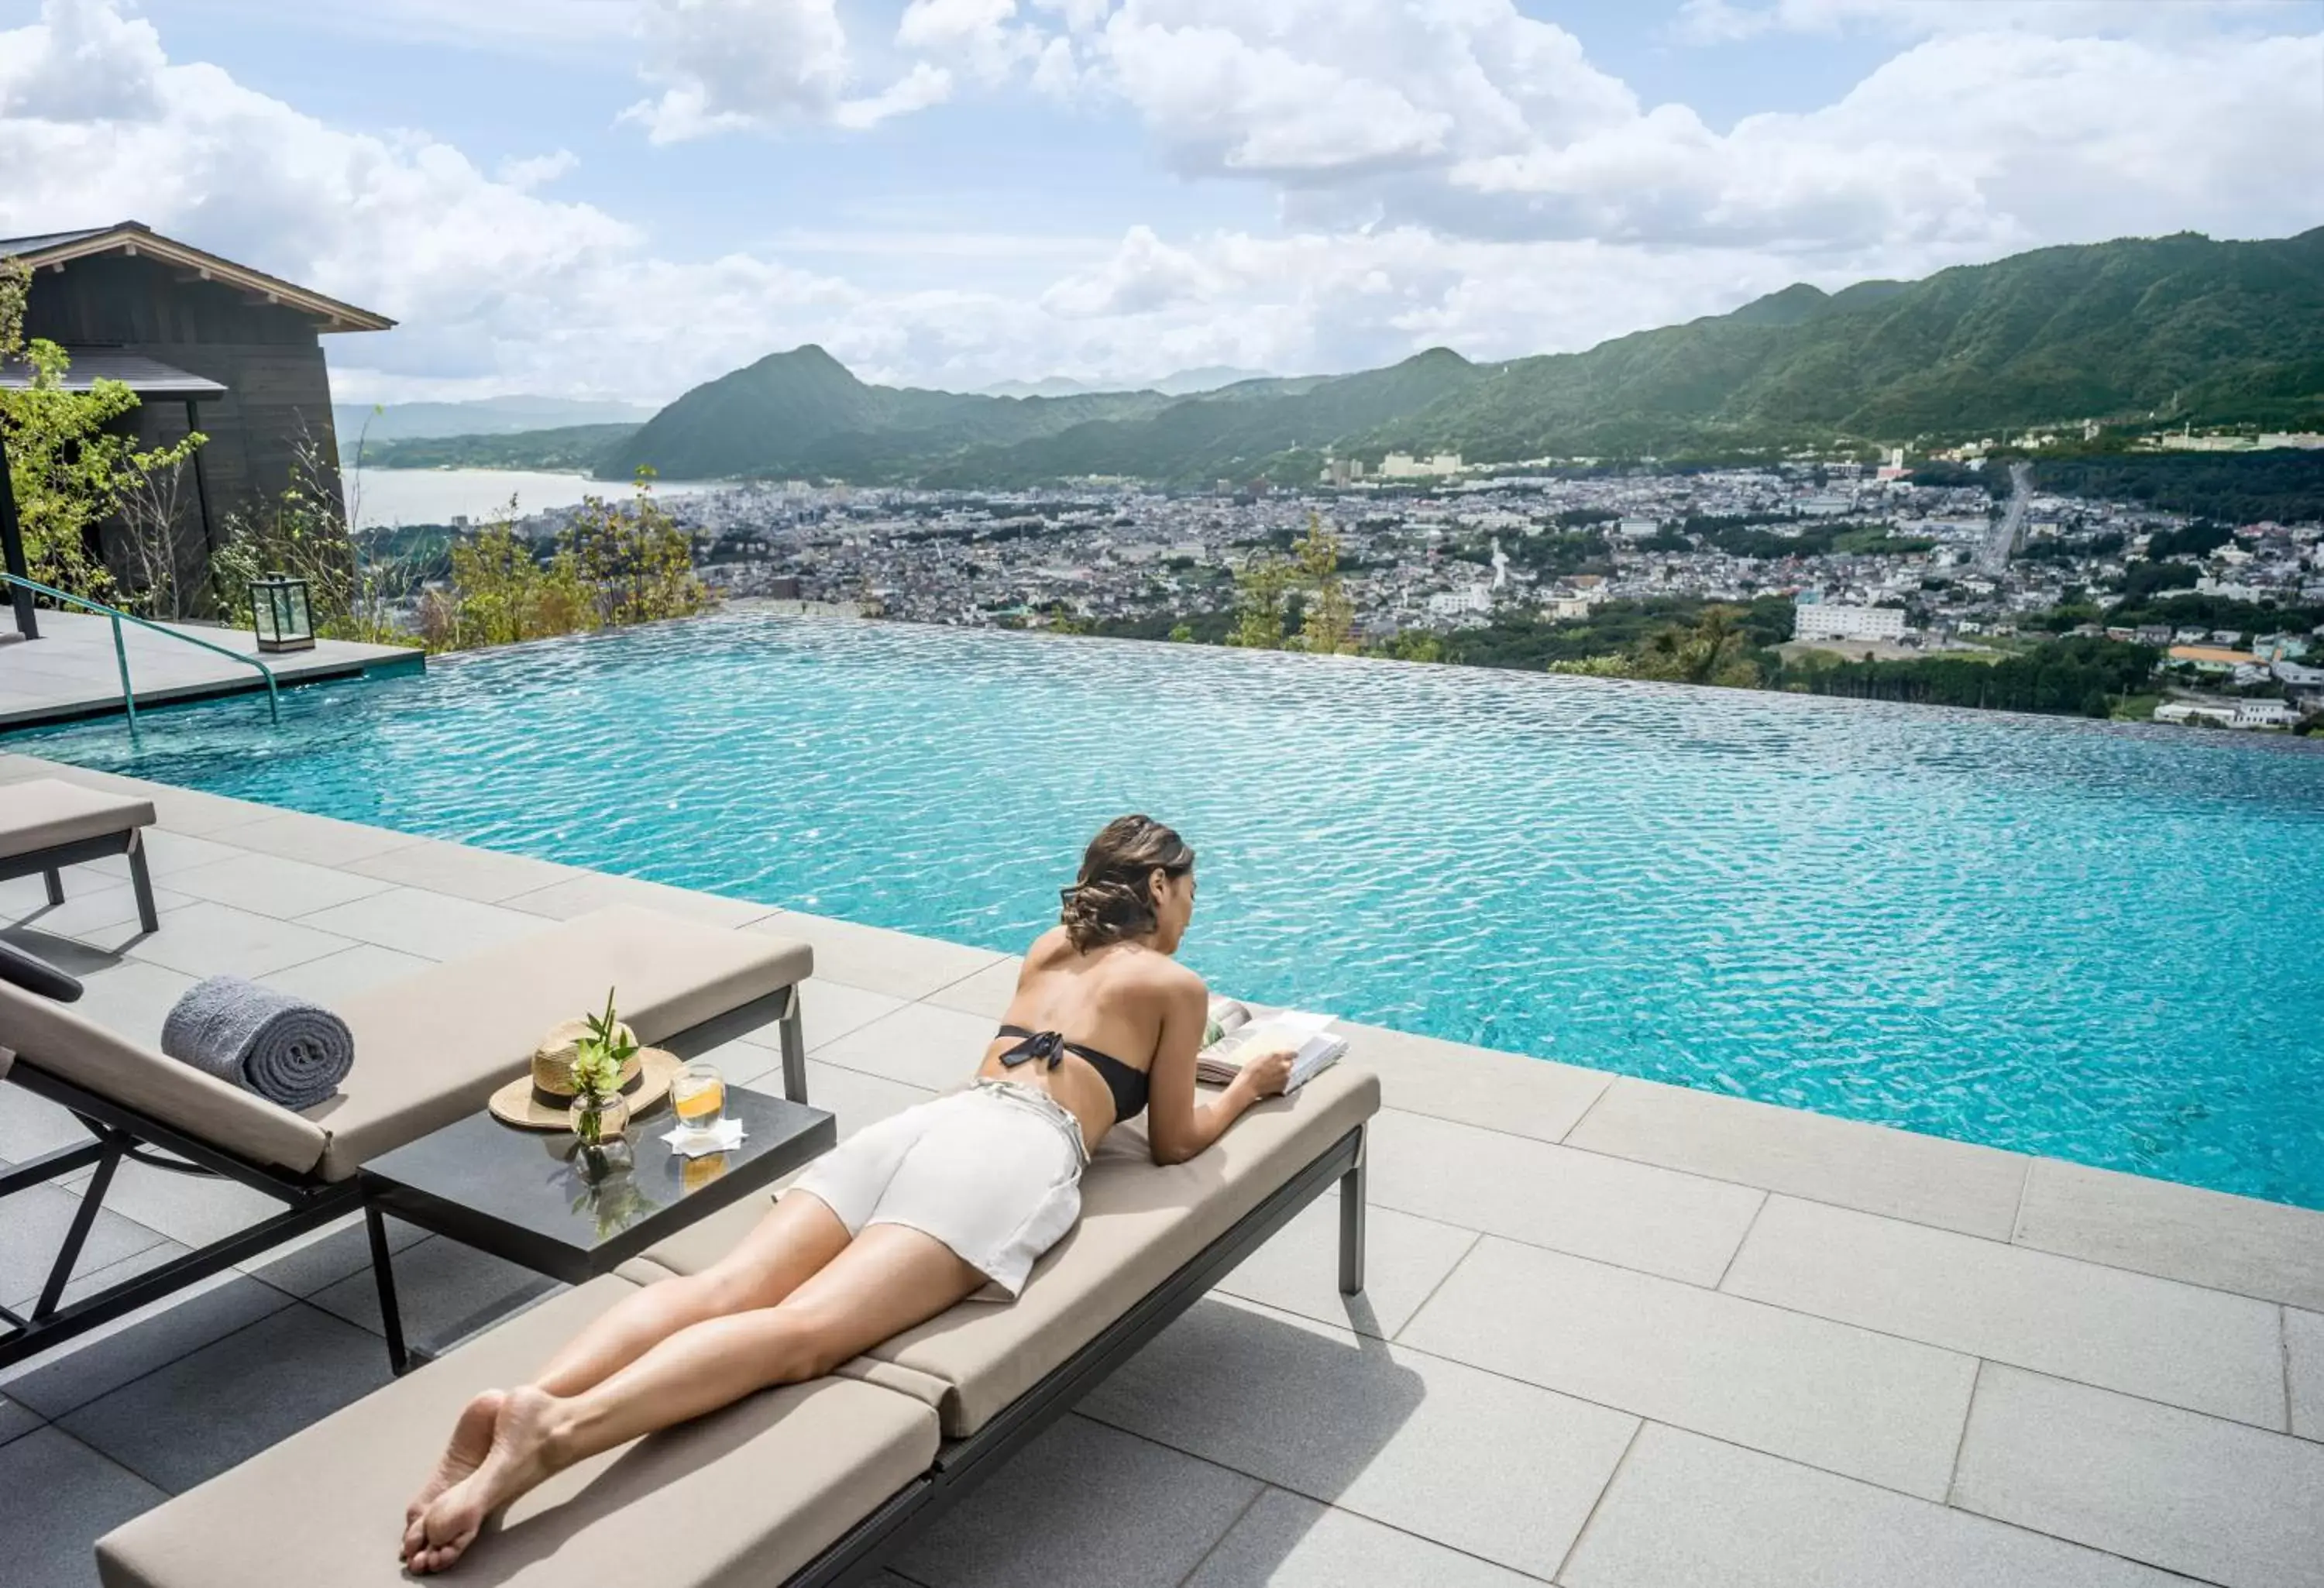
2097 943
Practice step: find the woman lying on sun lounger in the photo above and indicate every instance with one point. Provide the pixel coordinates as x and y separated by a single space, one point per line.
901 1221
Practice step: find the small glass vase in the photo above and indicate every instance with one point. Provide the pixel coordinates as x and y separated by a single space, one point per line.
599 1118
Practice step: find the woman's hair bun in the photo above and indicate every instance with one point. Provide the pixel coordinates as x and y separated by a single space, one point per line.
1112 898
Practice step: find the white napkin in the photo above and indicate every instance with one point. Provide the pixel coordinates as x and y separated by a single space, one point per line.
692 1143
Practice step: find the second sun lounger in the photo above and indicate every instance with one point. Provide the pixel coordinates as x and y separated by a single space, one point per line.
47 825
429 1047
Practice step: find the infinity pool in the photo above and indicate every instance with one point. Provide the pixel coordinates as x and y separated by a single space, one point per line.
2100 944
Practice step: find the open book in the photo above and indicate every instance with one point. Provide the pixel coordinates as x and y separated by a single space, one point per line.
1235 1029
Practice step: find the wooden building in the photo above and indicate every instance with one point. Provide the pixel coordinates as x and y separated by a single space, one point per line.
208 345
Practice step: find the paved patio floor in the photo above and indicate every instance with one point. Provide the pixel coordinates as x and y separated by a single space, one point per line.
1617 1334
70 671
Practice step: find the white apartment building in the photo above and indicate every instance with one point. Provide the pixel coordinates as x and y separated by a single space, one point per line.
1828 620
1403 466
1468 598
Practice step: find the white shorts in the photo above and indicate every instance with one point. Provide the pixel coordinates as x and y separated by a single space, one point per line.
994 1172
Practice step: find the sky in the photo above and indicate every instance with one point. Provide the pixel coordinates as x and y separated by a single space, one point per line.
624 197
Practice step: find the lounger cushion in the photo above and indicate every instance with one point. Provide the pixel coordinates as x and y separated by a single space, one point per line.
49 1037
433 1045
45 813
1139 1225
747 1495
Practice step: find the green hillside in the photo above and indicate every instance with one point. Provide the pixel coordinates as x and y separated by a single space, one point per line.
801 412
568 450
2177 328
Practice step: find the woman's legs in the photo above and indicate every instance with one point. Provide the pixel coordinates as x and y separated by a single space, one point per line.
886 1280
797 1236
794 1241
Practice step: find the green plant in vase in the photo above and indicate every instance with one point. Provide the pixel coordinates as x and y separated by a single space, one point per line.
600 1113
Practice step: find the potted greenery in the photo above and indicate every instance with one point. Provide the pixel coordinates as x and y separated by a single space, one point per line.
600 1113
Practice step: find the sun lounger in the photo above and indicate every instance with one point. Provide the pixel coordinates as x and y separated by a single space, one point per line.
47 825
429 1048
809 1486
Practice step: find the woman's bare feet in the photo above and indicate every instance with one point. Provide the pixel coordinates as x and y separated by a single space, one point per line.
519 1458
472 1440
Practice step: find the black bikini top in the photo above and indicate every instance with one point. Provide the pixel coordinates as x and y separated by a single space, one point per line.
1127 1083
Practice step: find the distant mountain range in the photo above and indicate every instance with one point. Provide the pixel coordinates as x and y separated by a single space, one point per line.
1186 382
485 416
2178 328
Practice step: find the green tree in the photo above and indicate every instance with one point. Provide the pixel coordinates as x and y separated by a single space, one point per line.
636 562
1714 651
1328 623
1262 590
501 592
1414 645
1181 633
1614 665
69 465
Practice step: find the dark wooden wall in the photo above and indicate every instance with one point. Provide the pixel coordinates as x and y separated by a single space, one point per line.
269 357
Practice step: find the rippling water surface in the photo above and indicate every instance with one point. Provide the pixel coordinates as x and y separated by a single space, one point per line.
2097 943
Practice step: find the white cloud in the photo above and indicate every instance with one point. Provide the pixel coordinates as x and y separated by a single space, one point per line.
89 60
1453 173
736 65
1711 21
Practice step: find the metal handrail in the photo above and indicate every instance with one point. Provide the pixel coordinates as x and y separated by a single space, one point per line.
121 652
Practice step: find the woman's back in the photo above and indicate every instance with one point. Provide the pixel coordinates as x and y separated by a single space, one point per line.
1110 1001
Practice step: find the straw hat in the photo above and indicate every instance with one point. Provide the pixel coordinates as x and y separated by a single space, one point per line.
542 1098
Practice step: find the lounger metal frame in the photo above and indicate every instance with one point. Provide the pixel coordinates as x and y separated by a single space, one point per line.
961 1464
51 863
120 1132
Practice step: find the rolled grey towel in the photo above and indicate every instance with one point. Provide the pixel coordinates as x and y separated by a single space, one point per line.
284 1049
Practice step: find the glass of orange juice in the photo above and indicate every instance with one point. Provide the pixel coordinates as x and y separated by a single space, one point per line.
699 1097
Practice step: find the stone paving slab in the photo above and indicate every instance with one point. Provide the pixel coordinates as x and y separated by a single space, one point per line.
1925 1179
1496 1469
1609 1208
918 1043
207 939
17 1421
1406 1259
129 996
2263 1248
321 840
1831 1395
2178 1343
93 1365
1085 1505
350 971
1502 1092
222 1403
876 959
1685 1509
2303 1368
1284 1541
93 902
437 926
192 1210
272 886
168 851
82 1496
2212 1499
34 1229
985 993
591 891
486 875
